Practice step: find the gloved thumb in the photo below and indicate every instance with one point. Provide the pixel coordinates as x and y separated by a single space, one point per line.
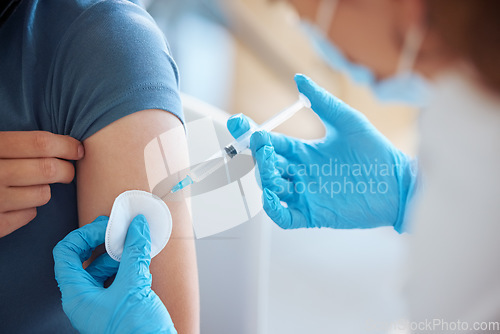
330 109
136 256
239 124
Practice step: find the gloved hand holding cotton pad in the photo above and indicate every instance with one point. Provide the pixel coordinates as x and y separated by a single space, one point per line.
125 208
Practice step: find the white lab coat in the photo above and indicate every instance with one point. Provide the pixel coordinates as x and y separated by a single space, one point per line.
455 257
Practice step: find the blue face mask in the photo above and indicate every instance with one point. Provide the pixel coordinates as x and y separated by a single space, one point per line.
407 87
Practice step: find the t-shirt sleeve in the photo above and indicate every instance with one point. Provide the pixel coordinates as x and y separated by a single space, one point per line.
113 61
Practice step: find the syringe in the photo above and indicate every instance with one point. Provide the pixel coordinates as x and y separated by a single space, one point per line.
239 145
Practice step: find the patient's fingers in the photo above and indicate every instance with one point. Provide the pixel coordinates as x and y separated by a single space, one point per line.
39 144
19 198
28 172
29 162
13 220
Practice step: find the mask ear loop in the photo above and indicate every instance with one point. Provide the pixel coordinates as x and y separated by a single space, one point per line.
411 47
325 14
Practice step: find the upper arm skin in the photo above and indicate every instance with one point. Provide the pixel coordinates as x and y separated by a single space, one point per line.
114 163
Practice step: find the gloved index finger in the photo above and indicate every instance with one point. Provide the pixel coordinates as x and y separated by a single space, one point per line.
77 246
283 145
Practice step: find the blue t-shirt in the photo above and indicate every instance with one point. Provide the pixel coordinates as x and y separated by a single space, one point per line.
69 67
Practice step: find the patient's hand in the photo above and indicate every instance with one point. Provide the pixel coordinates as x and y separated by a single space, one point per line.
29 162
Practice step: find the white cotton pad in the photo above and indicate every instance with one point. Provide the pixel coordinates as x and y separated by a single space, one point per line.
125 208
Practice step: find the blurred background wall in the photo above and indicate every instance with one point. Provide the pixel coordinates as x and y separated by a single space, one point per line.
241 56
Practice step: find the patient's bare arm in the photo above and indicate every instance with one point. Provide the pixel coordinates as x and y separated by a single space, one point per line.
114 163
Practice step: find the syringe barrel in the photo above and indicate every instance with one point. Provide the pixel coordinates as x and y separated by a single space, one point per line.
240 144
243 141
206 168
218 160
284 115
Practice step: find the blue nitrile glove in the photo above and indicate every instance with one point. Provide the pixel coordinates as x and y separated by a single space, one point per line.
128 305
352 178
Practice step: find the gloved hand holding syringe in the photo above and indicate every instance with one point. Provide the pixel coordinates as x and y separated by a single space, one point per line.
242 143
